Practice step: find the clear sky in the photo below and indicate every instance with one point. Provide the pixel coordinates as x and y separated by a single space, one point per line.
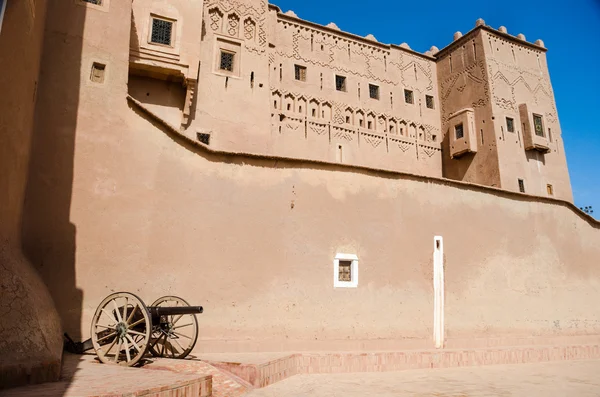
570 30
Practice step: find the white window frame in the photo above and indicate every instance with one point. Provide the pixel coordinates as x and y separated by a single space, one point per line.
2 10
353 283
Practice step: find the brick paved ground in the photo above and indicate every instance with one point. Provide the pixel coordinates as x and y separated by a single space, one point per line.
557 379
223 383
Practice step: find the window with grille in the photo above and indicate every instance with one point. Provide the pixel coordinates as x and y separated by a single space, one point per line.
459 132
550 190
408 96
161 31
374 91
521 185
226 61
300 72
340 83
510 124
96 2
97 75
538 125
345 267
345 271
429 101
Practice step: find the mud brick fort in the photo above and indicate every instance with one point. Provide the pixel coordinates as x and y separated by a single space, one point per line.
313 189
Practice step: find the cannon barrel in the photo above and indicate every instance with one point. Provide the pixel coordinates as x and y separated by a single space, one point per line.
157 311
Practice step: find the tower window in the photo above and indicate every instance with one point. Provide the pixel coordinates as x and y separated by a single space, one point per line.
300 72
340 83
459 132
550 190
226 61
374 91
96 2
429 101
510 124
161 31
521 185
538 124
408 96
345 271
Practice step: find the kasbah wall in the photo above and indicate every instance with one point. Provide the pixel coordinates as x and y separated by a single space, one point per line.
159 170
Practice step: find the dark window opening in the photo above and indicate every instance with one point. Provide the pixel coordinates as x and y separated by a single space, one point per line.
340 83
510 124
550 190
96 2
161 31
300 72
521 186
374 91
538 125
226 61
408 96
345 271
429 101
459 132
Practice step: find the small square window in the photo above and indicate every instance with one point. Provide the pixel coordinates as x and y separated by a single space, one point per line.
550 190
161 31
538 124
370 125
314 112
521 185
429 101
345 271
340 83
347 119
227 59
360 122
391 128
459 132
300 72
408 96
97 75
510 124
374 91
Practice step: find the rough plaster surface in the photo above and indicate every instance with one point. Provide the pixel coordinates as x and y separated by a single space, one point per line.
30 331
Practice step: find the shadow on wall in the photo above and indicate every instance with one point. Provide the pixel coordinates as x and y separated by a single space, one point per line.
48 235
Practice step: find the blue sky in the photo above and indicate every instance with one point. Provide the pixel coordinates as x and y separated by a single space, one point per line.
569 29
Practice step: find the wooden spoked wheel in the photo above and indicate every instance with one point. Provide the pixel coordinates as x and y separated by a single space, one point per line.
121 329
174 336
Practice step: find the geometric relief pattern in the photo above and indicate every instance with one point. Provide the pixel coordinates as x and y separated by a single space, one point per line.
319 129
343 134
233 25
249 29
215 17
373 141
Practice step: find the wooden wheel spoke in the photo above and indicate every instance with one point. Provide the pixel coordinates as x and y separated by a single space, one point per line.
181 335
110 315
132 332
183 326
118 352
105 327
177 319
125 307
181 347
127 354
162 351
141 320
110 346
132 313
119 318
135 345
107 336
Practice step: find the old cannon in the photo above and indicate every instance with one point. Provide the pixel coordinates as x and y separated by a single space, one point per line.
124 329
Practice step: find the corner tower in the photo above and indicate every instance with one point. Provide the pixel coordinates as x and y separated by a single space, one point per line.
234 89
499 115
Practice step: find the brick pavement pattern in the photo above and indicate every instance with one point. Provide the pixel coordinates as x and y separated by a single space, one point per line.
555 379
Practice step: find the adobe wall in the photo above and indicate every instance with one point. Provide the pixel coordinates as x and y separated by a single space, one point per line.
30 332
253 241
518 74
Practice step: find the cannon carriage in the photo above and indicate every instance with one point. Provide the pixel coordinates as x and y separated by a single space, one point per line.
124 330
